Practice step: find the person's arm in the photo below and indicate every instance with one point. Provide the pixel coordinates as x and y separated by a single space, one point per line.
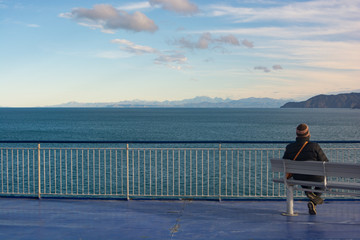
321 155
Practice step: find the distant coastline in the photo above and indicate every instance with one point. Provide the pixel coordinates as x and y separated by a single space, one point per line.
345 100
197 102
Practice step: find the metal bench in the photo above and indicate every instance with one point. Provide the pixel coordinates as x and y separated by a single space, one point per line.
338 177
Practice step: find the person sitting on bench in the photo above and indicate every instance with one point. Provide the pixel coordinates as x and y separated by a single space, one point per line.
304 150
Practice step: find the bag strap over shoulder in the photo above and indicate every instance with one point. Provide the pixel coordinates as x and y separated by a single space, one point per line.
300 150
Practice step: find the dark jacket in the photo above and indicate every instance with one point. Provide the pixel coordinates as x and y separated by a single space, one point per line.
311 152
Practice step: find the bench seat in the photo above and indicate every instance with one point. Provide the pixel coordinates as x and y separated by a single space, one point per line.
338 176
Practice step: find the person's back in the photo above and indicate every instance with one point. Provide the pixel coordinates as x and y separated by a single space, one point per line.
304 150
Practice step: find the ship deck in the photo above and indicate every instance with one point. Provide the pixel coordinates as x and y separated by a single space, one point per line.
22 218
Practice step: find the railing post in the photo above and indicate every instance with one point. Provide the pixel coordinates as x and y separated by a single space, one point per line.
220 172
39 172
127 172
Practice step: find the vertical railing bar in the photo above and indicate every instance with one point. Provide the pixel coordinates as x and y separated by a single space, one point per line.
44 172
50 171
122 171
219 172
71 172
23 170
208 172
214 174
173 172
184 172
179 171
144 172
133 171
39 172
226 172
61 186
232 172
17 168
156 172
272 174
167 172
2 173
66 171
202 173
28 167
150 183
99 151
261 171
127 172
116 171
161 172
244 164
105 170
138 166
238 173
55 170
267 173
82 171
93 155
12 170
249 172
110 171
77 171
34 173
255 167
196 172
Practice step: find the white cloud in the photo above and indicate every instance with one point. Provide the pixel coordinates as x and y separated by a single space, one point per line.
108 19
173 60
180 6
319 11
131 47
135 6
277 67
247 43
206 39
262 68
297 20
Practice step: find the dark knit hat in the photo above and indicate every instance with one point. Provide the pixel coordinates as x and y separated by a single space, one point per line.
302 130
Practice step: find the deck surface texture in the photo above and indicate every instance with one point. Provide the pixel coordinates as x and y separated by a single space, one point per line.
150 219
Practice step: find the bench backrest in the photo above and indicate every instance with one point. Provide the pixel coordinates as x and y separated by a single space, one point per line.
329 169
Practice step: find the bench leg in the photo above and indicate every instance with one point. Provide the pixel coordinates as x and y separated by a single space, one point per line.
290 201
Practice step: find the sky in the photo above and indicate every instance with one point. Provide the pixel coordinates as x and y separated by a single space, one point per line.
57 51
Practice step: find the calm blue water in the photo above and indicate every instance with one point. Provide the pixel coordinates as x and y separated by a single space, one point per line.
176 124
95 172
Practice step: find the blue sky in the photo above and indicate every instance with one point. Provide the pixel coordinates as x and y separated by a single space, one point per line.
53 52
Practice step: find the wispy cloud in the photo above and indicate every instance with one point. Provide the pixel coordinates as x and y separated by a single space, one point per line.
267 70
297 19
174 60
131 47
206 41
135 6
184 7
171 59
108 19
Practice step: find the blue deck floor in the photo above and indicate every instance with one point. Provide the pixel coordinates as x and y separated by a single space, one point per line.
111 219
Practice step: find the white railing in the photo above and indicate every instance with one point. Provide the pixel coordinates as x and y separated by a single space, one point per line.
201 170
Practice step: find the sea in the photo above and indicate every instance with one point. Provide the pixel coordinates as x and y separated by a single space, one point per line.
81 171
176 124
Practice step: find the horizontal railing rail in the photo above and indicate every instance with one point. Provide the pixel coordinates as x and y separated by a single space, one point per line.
170 142
149 169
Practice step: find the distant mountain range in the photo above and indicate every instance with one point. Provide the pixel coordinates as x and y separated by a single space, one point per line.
346 100
197 102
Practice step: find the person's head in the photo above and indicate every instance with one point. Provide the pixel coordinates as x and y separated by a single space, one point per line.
302 130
